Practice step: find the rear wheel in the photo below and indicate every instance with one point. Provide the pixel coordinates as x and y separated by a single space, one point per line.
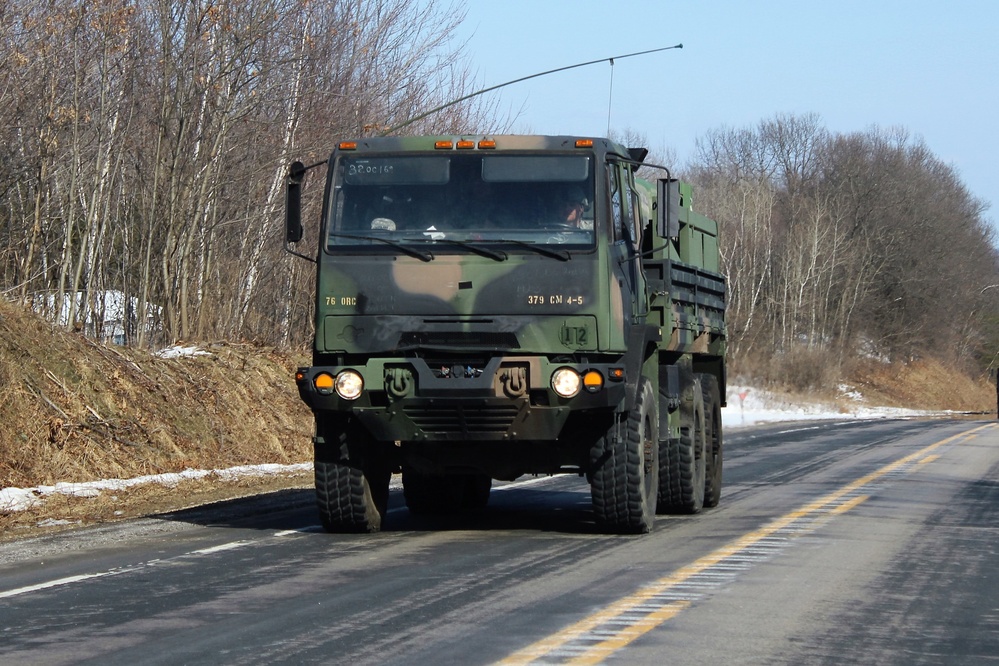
713 440
682 461
352 481
625 476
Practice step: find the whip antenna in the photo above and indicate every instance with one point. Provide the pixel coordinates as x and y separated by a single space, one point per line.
610 96
523 78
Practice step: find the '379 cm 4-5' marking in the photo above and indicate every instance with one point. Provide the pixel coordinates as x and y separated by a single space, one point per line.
553 299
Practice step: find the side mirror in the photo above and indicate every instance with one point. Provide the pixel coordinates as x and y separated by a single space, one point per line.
293 203
668 207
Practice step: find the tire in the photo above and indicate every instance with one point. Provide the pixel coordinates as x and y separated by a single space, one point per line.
625 477
713 440
682 461
352 482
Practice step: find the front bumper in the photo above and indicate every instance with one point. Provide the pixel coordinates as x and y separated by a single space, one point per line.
508 399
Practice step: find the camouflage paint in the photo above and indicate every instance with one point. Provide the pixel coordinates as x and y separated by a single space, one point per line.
462 348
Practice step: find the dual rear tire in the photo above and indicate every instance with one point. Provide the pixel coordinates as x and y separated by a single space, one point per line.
713 440
690 472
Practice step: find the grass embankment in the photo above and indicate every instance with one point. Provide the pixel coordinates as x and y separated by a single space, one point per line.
75 410
923 384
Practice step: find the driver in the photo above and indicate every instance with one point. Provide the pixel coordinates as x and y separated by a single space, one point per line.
570 209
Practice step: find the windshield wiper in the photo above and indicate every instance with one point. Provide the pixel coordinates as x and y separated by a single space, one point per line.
561 255
498 255
413 252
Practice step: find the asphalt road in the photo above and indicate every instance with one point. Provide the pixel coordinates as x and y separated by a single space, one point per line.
868 543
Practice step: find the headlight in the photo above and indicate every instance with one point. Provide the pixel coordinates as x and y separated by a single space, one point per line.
566 382
349 385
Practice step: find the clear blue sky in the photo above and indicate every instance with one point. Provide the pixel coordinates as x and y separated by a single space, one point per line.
930 67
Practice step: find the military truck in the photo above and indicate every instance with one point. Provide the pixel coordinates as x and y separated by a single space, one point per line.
489 307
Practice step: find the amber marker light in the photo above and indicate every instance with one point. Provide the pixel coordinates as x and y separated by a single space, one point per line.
616 374
593 381
487 143
584 143
348 145
444 145
465 144
323 383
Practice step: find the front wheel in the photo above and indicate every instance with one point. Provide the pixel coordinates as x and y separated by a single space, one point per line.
352 481
625 477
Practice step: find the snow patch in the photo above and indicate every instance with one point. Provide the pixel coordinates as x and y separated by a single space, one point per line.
750 406
21 499
52 522
178 351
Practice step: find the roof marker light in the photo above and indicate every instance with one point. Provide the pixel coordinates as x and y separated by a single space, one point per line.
444 145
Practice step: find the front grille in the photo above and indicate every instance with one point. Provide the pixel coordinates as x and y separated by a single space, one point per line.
459 339
463 419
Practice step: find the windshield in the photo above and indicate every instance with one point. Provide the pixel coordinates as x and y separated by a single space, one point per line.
451 200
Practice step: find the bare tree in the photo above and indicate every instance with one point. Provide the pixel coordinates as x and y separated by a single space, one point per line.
146 143
838 243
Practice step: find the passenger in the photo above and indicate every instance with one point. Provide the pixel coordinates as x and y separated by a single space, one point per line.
401 210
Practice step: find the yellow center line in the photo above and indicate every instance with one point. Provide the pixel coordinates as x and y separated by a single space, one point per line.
599 652
849 504
830 504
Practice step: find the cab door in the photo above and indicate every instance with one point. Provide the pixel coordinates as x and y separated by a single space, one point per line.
626 229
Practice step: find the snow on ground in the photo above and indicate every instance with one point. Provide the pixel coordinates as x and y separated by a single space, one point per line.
751 406
179 351
19 499
746 407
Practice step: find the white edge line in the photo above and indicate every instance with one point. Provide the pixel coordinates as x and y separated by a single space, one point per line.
57 583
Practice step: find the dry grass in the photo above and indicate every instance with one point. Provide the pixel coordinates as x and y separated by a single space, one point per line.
75 410
923 384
